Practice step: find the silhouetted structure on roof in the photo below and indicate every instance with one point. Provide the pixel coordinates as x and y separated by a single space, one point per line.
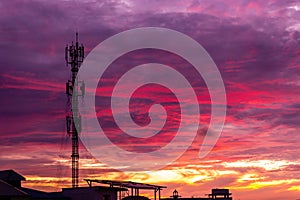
134 187
175 195
219 194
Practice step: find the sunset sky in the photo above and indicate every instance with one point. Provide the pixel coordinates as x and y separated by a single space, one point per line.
255 45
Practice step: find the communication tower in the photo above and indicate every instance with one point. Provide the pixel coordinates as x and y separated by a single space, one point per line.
74 55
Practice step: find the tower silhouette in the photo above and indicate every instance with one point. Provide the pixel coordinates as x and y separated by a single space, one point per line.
74 55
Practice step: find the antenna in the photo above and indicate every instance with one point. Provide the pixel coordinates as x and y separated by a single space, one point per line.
74 55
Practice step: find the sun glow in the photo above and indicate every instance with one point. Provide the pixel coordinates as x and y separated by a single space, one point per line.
265 164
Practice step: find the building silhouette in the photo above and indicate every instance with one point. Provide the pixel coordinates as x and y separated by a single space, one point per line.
219 194
11 189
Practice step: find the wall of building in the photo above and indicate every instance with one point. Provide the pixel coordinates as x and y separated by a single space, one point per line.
92 193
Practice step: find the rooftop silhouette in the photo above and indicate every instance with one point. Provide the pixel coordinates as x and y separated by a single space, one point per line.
11 188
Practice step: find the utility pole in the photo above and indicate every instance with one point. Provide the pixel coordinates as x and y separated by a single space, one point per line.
74 55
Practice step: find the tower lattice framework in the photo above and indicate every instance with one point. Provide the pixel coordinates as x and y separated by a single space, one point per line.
74 55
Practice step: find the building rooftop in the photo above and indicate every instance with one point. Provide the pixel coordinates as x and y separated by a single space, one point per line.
11 175
125 184
44 195
97 188
9 190
135 187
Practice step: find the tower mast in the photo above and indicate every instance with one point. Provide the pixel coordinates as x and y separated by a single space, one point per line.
74 55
